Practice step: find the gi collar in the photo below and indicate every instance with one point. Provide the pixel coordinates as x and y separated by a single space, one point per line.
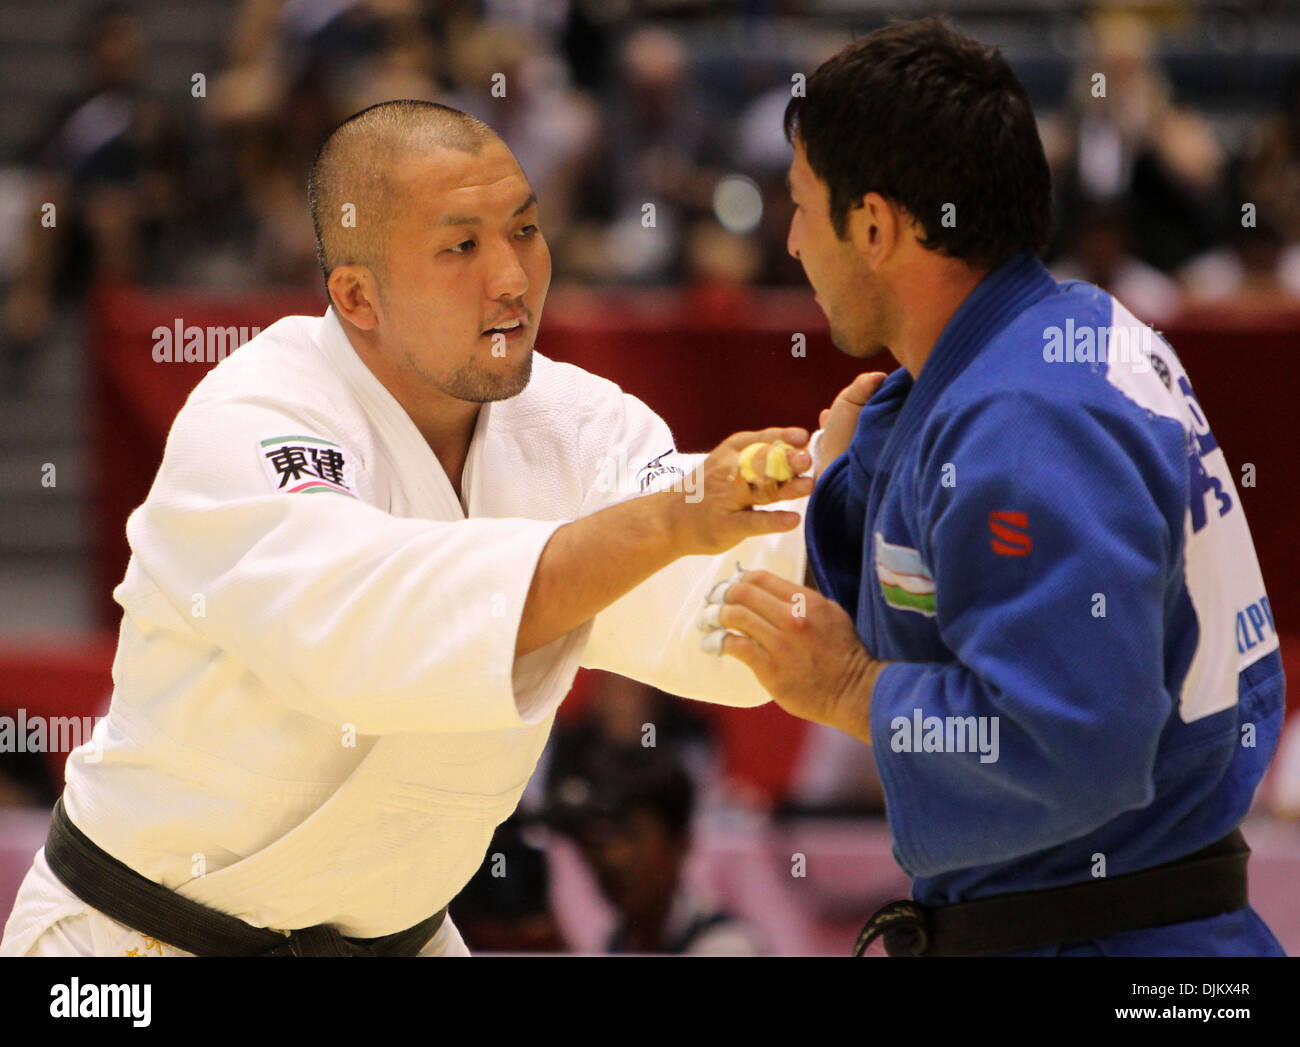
424 481
997 300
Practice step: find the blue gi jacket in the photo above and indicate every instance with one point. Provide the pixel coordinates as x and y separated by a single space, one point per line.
1043 536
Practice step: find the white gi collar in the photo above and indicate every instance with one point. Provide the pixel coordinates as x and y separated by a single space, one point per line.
423 478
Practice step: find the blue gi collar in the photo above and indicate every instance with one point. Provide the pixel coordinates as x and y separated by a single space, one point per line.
997 300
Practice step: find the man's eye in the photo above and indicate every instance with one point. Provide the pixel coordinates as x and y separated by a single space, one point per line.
464 247
527 231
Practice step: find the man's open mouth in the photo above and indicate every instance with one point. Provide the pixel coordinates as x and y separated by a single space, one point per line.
509 330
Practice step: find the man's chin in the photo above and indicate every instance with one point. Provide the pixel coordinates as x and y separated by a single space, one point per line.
858 348
490 386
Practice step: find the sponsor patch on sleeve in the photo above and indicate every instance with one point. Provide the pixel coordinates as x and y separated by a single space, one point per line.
656 469
307 465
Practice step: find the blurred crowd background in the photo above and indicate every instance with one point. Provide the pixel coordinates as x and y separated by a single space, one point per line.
173 141
175 136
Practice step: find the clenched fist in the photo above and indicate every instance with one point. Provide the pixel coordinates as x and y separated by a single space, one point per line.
720 509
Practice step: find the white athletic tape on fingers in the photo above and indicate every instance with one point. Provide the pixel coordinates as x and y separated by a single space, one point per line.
710 618
711 643
718 593
746 463
776 466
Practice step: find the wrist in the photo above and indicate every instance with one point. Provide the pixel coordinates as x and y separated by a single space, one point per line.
671 524
852 710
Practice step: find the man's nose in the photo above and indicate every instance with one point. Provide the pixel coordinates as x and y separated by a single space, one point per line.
506 277
792 240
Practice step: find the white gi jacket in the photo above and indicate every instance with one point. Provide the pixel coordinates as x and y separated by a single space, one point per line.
317 714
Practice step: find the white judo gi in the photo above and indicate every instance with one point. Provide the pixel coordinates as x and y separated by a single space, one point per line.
317 714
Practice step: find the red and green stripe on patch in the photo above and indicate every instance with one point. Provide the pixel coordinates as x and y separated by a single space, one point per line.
905 582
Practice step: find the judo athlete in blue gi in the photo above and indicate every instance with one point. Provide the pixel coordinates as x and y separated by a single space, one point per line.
1039 599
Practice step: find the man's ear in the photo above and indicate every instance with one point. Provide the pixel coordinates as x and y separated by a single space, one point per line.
874 229
355 293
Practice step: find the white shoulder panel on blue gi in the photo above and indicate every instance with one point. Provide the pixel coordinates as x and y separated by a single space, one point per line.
1222 571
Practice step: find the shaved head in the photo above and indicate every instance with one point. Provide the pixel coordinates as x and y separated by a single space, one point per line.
434 258
354 193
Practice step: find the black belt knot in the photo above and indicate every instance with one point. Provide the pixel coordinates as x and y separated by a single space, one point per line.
903 926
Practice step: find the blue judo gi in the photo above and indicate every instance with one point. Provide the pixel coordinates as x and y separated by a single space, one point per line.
1044 538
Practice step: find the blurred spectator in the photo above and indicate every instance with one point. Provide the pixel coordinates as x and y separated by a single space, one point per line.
625 713
663 154
629 812
550 127
1133 152
107 162
25 779
720 268
1103 256
762 152
1271 181
506 906
297 68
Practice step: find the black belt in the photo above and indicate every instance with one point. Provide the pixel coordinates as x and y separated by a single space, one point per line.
1208 883
119 892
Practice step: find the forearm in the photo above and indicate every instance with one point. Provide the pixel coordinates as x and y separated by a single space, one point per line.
591 562
652 634
588 564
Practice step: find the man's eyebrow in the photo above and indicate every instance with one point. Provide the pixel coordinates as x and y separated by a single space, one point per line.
459 219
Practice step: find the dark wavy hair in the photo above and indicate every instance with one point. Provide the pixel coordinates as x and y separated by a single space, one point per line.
927 117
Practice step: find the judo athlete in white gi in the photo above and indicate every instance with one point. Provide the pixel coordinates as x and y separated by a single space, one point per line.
380 544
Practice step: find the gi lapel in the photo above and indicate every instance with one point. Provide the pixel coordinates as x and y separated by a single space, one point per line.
412 463
1000 297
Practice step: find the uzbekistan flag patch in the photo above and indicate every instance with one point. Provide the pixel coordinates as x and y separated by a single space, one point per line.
905 582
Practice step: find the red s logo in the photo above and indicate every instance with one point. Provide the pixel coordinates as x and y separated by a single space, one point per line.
1010 534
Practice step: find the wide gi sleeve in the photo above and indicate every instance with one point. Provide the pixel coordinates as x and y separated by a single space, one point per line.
650 634
1051 547
341 610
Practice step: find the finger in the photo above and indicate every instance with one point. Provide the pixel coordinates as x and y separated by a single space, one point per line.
770 491
710 618
740 618
767 521
796 437
821 418
743 649
758 489
718 594
767 605
796 459
862 388
775 585
776 462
